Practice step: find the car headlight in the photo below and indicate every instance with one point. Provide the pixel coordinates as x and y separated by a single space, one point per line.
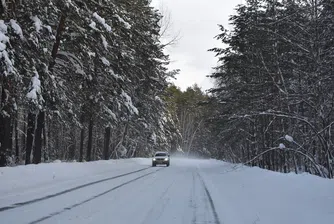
166 159
153 159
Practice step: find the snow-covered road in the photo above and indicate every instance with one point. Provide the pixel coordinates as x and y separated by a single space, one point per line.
189 191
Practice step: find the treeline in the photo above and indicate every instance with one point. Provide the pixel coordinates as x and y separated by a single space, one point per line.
274 95
189 111
82 80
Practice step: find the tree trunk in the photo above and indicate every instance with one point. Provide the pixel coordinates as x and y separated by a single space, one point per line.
120 143
17 144
295 163
106 143
38 138
285 163
45 139
56 137
95 144
50 143
5 123
71 154
90 140
24 134
11 135
329 165
62 143
82 136
30 136
1 90
5 138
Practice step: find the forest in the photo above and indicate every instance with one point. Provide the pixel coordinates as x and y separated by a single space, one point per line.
274 92
82 80
90 80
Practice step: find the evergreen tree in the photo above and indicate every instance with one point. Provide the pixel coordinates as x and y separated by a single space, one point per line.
272 82
70 66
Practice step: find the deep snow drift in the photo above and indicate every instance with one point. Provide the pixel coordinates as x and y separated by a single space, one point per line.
189 191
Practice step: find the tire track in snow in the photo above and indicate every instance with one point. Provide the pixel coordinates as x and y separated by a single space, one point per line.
212 205
91 198
158 205
20 204
193 200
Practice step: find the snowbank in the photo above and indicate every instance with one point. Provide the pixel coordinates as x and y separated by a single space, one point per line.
252 195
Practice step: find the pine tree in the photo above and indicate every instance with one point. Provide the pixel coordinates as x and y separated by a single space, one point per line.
271 82
76 65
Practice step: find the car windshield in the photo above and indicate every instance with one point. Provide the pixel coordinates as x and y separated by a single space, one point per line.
160 154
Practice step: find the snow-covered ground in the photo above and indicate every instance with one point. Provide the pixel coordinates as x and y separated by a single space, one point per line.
189 191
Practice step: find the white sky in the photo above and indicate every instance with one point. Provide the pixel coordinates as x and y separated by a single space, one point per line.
196 21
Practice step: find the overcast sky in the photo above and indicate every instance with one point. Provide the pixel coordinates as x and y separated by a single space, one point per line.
196 21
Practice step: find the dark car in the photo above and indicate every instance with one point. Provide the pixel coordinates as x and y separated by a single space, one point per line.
162 158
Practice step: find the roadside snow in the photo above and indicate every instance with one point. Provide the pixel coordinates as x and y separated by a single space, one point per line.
253 195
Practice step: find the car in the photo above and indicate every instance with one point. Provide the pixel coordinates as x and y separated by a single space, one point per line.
162 158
